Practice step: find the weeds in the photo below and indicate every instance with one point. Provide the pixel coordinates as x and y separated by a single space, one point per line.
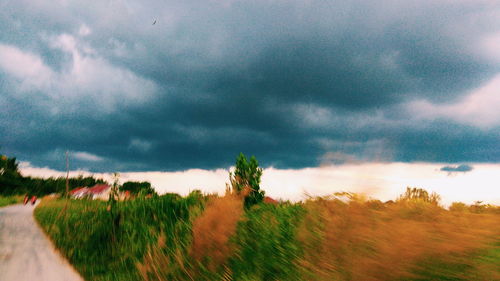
266 248
343 237
9 200
103 246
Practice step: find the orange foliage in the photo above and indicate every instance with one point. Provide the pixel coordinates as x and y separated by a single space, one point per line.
371 241
213 228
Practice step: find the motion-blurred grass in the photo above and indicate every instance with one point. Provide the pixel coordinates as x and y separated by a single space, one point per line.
106 244
404 240
213 238
9 200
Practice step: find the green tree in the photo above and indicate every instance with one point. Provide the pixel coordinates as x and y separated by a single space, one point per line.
9 166
12 182
246 180
138 187
10 178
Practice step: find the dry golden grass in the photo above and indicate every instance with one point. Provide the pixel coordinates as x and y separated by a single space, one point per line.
213 228
154 260
369 241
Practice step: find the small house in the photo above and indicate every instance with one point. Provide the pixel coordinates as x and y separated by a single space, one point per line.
99 191
79 192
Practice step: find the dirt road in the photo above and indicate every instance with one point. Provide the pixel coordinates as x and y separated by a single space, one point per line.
25 252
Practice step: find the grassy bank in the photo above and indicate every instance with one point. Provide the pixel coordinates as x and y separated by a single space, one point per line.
214 238
110 244
9 200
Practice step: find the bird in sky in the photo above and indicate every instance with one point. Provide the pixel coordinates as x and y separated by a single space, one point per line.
154 22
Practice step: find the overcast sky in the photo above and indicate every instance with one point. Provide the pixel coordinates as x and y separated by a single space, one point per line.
296 83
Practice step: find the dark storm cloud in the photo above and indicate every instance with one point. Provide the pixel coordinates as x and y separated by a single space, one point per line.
460 168
294 83
443 141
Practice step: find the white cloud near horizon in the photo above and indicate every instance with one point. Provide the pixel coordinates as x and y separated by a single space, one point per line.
384 181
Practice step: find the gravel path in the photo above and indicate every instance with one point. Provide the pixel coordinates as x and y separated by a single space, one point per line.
26 254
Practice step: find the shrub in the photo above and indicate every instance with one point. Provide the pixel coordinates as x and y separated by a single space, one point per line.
458 207
138 187
419 194
246 180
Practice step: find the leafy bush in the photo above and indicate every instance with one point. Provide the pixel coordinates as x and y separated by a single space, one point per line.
458 207
419 194
246 180
138 187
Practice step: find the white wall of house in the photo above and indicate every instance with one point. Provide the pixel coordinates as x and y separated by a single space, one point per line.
103 195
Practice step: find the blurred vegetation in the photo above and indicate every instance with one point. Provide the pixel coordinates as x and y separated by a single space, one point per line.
120 243
265 244
13 183
344 236
207 237
138 187
245 180
418 194
8 200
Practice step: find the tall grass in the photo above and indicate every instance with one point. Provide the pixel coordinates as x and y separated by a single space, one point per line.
213 229
214 238
106 244
9 200
367 240
266 248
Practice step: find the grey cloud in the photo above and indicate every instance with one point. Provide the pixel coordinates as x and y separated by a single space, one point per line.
460 168
266 78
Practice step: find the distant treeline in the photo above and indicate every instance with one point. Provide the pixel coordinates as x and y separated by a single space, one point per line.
12 182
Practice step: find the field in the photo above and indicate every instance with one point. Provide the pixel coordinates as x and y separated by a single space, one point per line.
214 238
8 200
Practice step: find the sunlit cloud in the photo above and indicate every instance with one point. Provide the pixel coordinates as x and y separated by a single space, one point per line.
85 77
479 108
383 181
28 69
86 156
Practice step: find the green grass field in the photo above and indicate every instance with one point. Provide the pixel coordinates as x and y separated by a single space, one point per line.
107 244
9 200
212 238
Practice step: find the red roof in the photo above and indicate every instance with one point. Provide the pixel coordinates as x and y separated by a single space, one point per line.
77 189
270 200
98 188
